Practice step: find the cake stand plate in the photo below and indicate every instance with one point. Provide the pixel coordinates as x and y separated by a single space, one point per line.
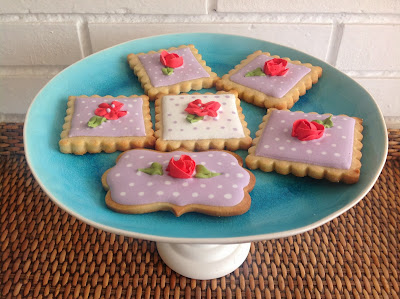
281 205
202 261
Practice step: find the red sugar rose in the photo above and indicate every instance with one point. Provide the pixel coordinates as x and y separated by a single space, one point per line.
182 168
305 130
275 67
110 111
171 60
198 108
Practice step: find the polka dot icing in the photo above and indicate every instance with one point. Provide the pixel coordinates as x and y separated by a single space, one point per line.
209 128
144 189
334 149
110 128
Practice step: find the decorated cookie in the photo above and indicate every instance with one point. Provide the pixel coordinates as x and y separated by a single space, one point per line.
172 71
201 122
269 81
94 124
317 145
211 182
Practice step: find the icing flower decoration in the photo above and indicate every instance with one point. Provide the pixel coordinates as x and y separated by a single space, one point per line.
110 111
198 108
182 168
275 67
305 130
171 61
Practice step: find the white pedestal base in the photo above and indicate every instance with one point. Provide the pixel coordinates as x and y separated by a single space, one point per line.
200 261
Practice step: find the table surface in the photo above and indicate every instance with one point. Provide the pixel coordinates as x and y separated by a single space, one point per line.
46 252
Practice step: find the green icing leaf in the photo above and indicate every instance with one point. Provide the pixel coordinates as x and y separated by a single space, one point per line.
203 173
167 70
193 118
257 72
327 122
96 121
155 168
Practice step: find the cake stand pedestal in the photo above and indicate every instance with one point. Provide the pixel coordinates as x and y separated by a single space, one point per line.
203 261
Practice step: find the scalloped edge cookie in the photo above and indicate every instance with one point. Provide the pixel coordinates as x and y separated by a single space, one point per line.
231 144
348 176
260 99
80 145
220 211
185 86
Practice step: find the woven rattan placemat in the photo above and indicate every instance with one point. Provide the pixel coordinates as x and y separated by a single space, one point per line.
47 253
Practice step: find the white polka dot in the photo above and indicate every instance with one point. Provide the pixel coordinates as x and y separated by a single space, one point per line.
126 156
318 143
176 194
131 184
309 151
139 173
323 153
131 120
141 157
114 129
129 165
160 192
336 154
219 163
293 149
159 156
223 154
339 127
219 186
266 146
141 193
327 134
283 121
210 155
285 130
271 128
304 142
277 139
233 163
194 156
150 184
281 148
228 196
288 141
344 118
117 174
167 182
203 163
211 196
202 185
227 175
122 193
185 184
333 145
344 137
195 194
239 175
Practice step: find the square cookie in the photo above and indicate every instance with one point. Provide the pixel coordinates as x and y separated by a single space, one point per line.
94 124
280 90
156 77
225 130
334 156
144 181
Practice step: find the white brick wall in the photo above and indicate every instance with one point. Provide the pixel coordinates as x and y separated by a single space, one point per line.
39 38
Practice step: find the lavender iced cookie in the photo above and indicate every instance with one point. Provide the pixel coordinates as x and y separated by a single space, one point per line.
266 80
94 124
171 71
212 182
308 144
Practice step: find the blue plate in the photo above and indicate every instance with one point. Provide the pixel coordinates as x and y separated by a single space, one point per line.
281 205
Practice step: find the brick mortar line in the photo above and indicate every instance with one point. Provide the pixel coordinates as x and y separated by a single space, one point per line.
212 17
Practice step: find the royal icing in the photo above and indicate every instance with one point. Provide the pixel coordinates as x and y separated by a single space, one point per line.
333 149
275 86
129 186
176 127
190 70
131 124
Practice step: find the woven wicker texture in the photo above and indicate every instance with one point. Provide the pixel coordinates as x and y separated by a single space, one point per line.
47 253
